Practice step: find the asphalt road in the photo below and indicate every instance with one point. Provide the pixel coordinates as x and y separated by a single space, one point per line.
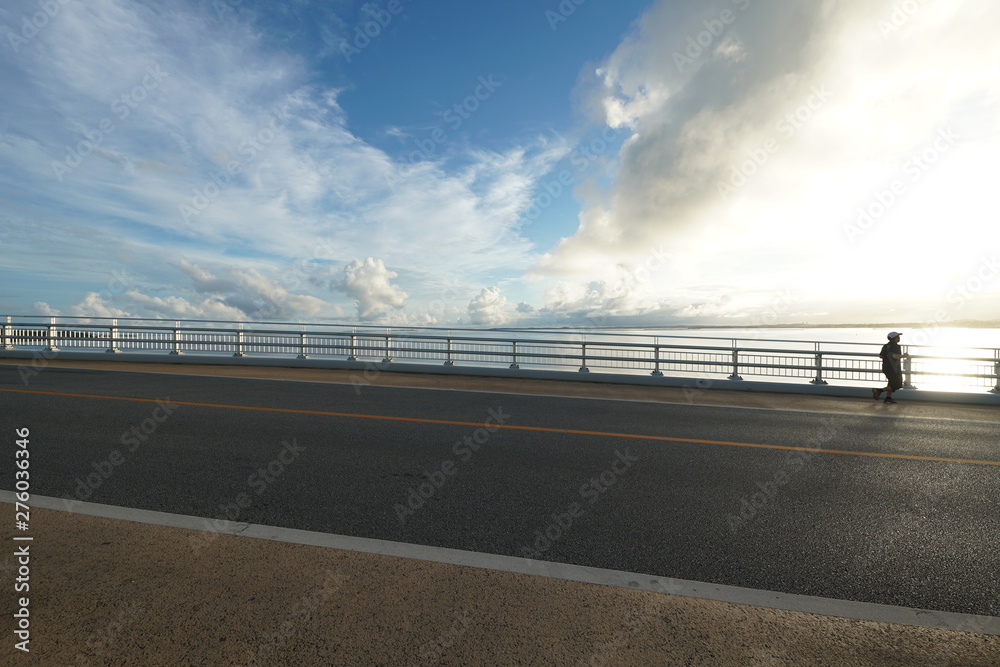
895 530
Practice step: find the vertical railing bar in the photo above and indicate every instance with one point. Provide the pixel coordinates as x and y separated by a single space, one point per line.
736 362
177 339
388 357
449 361
354 341
907 370
302 344
52 347
996 371
7 345
113 333
239 341
819 367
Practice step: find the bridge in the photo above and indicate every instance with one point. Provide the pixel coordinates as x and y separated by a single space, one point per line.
240 513
815 367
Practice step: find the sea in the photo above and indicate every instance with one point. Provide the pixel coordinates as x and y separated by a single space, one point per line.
987 338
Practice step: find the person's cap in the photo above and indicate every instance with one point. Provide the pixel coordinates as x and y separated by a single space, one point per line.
893 334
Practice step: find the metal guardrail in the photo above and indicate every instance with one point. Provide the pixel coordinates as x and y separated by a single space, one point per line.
819 362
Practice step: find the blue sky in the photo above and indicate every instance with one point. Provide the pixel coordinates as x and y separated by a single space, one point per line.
645 162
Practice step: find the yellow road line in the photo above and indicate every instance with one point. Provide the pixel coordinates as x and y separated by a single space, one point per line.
513 427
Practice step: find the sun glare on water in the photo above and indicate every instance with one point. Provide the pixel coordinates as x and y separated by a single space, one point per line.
942 364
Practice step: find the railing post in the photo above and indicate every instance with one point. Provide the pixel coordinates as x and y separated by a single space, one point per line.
996 372
52 333
113 332
656 362
450 361
239 341
388 357
514 355
736 363
6 335
907 373
819 368
302 345
177 339
583 358
354 343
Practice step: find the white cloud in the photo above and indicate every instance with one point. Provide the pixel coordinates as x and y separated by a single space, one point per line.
42 308
487 308
250 292
181 308
808 111
367 282
599 299
95 305
246 294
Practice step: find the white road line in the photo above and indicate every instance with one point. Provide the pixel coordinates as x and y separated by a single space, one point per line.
748 596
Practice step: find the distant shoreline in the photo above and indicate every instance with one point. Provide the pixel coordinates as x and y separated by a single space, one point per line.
961 324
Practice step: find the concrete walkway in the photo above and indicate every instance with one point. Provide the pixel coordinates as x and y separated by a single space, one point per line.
119 592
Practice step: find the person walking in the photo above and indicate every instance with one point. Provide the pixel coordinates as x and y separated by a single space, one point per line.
891 355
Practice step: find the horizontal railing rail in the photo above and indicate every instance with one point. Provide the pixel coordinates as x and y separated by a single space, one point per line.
816 361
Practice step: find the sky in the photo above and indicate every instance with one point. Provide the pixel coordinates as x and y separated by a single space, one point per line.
530 163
